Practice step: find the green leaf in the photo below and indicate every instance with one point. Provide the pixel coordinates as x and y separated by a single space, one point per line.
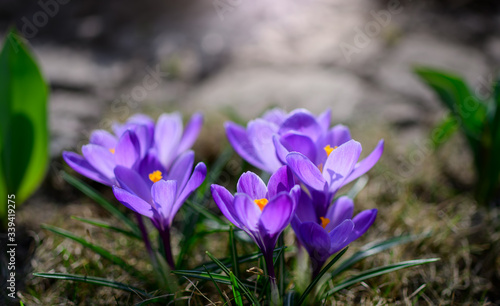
107 226
319 276
247 293
443 131
234 253
94 195
455 94
358 186
378 271
242 259
236 289
223 298
95 248
95 281
222 279
375 247
24 134
205 212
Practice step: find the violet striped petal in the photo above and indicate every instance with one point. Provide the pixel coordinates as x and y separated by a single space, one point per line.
252 185
80 165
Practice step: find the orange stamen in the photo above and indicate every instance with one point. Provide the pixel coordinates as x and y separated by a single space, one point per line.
112 150
329 149
324 221
155 176
261 203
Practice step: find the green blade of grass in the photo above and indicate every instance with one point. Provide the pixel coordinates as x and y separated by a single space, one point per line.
227 261
94 195
358 186
234 253
247 293
319 276
378 271
95 248
107 226
223 298
221 279
373 248
236 290
205 212
95 281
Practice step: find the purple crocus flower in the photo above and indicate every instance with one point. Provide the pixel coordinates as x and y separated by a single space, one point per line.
262 212
340 168
132 142
161 198
322 236
266 141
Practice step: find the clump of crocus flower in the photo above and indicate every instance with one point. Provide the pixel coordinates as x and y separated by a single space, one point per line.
263 212
323 160
149 166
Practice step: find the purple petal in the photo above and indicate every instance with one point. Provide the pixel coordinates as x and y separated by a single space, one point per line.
247 211
295 142
339 236
316 241
366 164
224 200
340 210
80 165
128 149
281 151
191 132
181 169
101 159
277 214
324 119
251 184
238 139
163 193
362 223
305 210
144 137
303 122
131 181
340 164
281 180
275 115
103 138
133 202
167 136
305 170
260 133
336 136
196 179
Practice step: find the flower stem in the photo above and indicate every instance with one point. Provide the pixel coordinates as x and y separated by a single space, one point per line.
275 296
165 237
145 237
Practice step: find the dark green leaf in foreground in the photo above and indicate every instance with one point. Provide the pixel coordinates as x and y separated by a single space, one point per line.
107 226
24 133
377 272
95 281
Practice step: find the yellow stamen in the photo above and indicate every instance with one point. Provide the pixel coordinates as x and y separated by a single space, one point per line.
329 149
112 150
320 167
155 176
261 203
324 221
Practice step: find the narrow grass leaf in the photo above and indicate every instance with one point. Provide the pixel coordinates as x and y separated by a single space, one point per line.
247 293
205 212
377 272
319 276
223 298
95 281
376 247
234 253
236 290
107 226
94 195
95 248
358 186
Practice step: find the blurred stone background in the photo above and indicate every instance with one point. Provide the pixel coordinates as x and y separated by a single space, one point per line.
111 59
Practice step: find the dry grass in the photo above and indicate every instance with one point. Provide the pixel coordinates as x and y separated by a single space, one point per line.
414 192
